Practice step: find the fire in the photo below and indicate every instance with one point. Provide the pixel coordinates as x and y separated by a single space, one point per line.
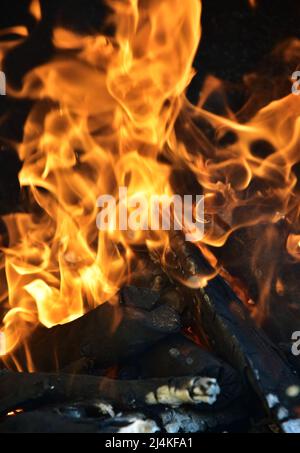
293 246
106 110
35 9
15 412
103 114
253 3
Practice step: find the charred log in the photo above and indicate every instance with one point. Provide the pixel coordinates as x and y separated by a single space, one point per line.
187 420
29 390
233 334
89 418
254 259
104 337
178 356
51 421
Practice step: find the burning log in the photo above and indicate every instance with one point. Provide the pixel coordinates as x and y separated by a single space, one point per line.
233 334
188 420
97 417
92 417
178 356
265 260
48 421
104 337
23 390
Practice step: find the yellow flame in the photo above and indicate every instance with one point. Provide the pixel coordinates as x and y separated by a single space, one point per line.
35 9
114 102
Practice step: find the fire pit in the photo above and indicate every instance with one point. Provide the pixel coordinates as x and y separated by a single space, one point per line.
150 245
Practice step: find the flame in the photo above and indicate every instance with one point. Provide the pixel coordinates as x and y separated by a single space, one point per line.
253 3
15 412
35 10
106 109
293 246
103 113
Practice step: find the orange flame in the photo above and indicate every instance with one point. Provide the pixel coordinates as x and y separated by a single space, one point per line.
35 10
253 3
106 109
293 246
103 114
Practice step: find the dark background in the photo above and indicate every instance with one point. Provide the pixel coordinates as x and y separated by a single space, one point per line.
237 38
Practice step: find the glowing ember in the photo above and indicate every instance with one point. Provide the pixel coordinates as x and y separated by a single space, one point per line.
293 245
253 3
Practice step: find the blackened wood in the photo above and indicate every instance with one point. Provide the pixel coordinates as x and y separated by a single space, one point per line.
105 336
234 418
252 257
51 421
234 335
248 349
186 420
29 390
139 297
178 356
